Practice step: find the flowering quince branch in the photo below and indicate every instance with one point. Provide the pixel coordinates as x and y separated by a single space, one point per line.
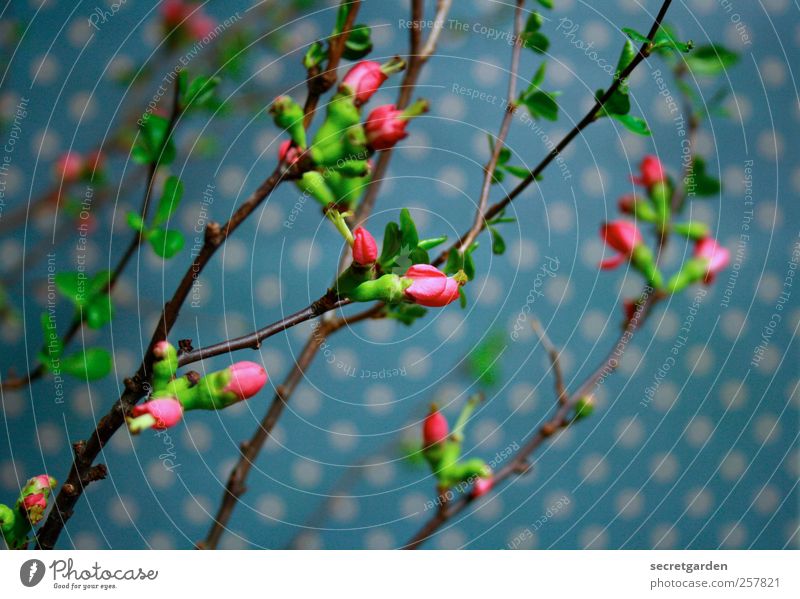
235 486
664 199
435 288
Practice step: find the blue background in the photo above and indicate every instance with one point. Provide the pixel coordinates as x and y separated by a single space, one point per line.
712 461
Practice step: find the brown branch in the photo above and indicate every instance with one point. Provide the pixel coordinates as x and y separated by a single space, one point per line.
588 119
135 387
319 81
554 355
561 418
417 57
250 449
479 223
136 241
253 340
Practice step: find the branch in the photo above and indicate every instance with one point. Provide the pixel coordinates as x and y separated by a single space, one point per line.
250 450
554 354
320 82
417 57
135 387
136 241
560 418
253 340
479 222
588 119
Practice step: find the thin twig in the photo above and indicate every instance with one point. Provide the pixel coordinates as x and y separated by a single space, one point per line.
561 418
508 115
251 449
554 355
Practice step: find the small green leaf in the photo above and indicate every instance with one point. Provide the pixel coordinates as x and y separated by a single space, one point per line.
152 144
518 171
537 42
98 312
710 60
315 55
73 286
546 3
635 35
699 182
135 221
541 105
358 44
484 361
538 76
166 242
633 123
455 262
408 230
469 262
498 243
200 91
90 364
666 40
170 198
405 313
391 245
429 244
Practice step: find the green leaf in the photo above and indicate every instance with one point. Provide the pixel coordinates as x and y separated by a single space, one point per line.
170 198
635 35
626 57
699 182
711 60
99 283
618 103
633 123
541 105
408 230
200 92
537 42
135 221
90 364
152 144
666 40
73 286
546 3
518 171
358 44
462 298
98 312
498 243
692 229
429 244
484 361
315 55
538 76
469 262
455 262
166 242
405 313
391 245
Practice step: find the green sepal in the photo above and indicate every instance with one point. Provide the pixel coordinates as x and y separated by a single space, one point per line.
389 288
693 271
313 183
691 229
642 260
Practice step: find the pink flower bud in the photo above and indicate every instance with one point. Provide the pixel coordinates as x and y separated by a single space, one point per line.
165 413
160 349
365 250
482 486
364 79
288 153
37 500
430 287
716 257
201 25
650 172
43 481
435 428
174 12
385 126
247 379
69 167
624 237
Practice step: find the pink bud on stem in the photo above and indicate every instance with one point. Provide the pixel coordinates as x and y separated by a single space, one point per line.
365 250
430 286
435 428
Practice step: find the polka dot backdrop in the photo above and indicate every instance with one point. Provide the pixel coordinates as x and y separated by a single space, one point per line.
706 457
